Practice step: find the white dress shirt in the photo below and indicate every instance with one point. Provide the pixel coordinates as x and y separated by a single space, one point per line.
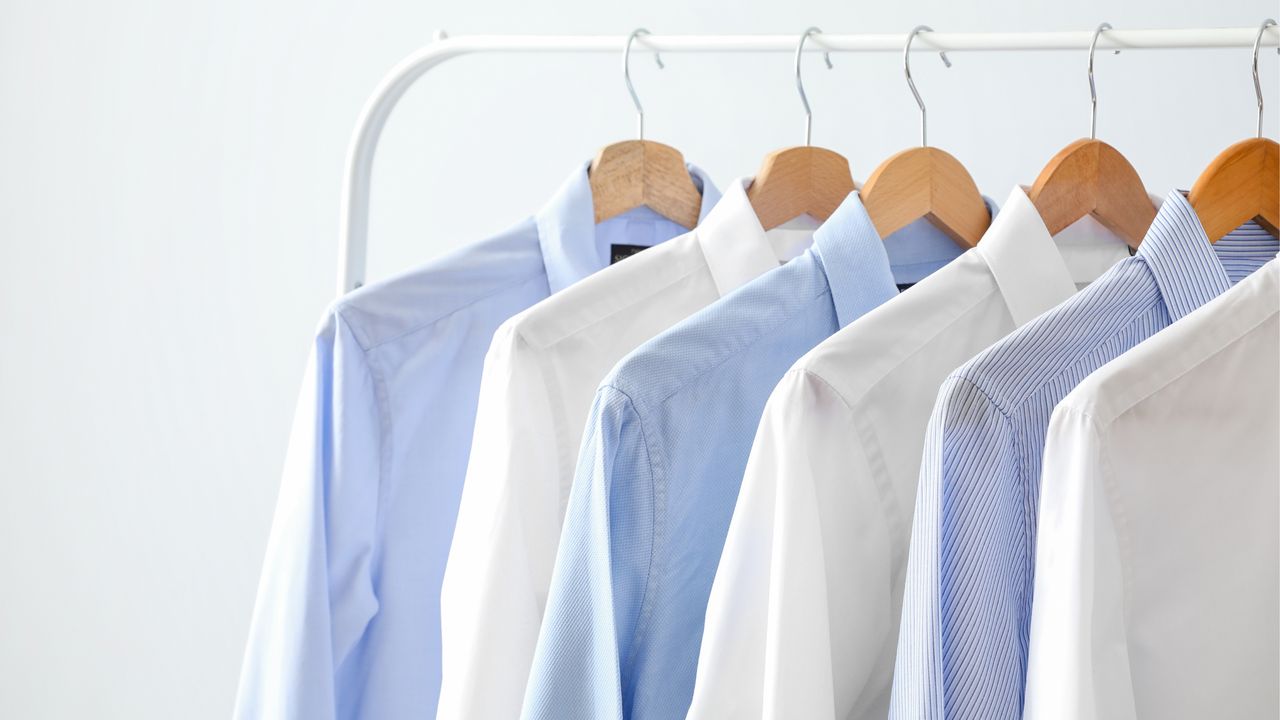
1156 582
539 379
803 616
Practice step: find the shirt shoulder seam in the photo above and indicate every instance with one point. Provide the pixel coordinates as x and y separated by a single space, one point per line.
1115 506
910 350
596 319
1105 421
385 439
747 343
876 473
957 378
646 609
370 345
1077 354
813 375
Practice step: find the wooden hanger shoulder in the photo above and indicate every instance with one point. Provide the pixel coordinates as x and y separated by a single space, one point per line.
930 183
1090 177
1241 184
796 181
634 173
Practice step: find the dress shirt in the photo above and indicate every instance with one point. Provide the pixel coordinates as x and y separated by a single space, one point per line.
347 622
803 616
967 604
658 475
540 375
1157 581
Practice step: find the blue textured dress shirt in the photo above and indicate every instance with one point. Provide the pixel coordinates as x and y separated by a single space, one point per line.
966 613
347 620
663 455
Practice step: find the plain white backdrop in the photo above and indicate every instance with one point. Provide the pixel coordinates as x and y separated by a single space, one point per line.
169 188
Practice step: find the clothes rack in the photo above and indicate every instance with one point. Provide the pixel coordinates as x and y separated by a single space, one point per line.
353 241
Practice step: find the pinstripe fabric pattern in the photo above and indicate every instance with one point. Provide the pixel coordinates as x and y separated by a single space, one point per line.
347 622
658 476
963 640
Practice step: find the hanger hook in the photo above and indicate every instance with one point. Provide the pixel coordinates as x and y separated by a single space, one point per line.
1257 85
906 69
626 76
804 99
1093 88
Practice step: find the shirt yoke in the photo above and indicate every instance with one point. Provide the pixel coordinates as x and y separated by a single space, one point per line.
464 279
1162 360
1012 371
660 368
611 291
859 357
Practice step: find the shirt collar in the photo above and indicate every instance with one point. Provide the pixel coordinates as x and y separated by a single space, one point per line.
566 226
1026 263
733 242
854 259
1181 259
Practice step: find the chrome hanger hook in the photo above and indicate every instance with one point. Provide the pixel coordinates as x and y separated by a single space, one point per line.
1257 85
626 76
1093 88
906 69
804 99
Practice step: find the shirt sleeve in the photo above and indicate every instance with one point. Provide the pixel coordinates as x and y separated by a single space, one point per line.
808 536
965 605
316 596
499 567
600 572
1078 666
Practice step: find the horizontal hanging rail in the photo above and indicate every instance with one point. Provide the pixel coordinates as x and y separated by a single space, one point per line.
353 241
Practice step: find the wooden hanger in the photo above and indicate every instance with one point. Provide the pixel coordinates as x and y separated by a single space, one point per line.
634 173
803 180
1241 184
1243 181
1089 177
925 182
799 181
930 183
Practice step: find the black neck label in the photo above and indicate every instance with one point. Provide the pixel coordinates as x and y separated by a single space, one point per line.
618 253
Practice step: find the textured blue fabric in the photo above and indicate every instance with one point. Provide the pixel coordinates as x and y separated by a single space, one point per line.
658 475
967 607
347 622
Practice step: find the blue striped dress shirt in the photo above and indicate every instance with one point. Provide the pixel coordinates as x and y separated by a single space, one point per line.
962 649
662 458
347 620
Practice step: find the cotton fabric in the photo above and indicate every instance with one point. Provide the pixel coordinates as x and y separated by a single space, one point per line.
1158 563
346 623
803 614
967 603
658 475
540 375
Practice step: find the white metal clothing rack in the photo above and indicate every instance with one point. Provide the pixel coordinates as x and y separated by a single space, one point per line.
354 238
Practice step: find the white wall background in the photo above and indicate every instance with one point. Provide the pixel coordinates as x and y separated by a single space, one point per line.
169 182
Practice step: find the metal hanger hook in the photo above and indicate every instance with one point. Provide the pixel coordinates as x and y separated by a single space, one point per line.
1257 85
626 76
804 99
906 69
1093 88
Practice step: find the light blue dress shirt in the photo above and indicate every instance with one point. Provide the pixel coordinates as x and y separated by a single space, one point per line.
347 620
662 458
966 613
